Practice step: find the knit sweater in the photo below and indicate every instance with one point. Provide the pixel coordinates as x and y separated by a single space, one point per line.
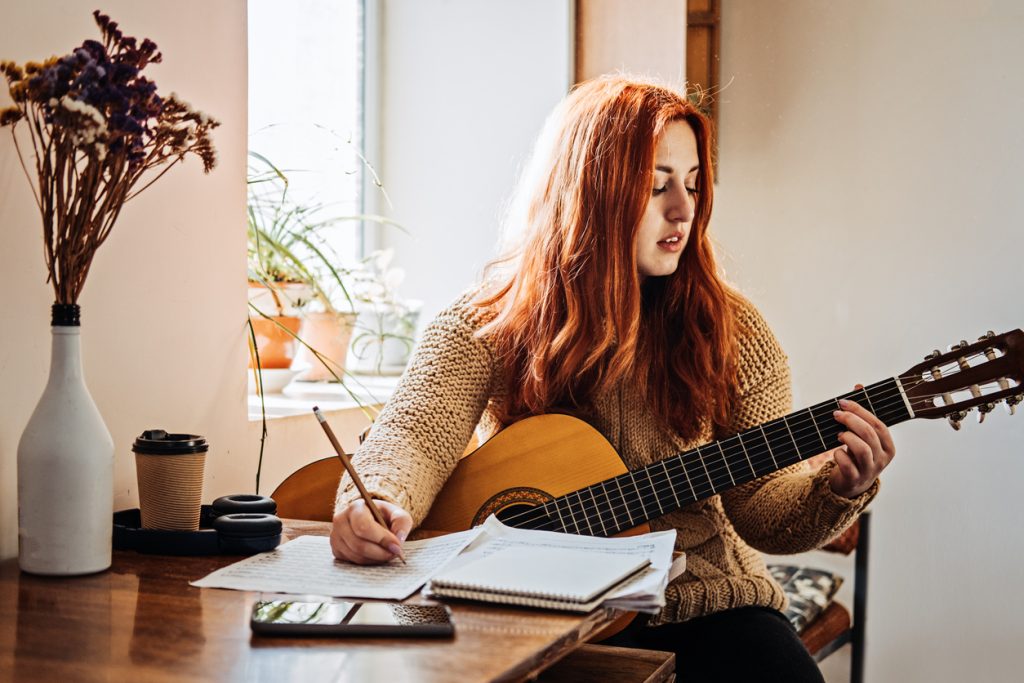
453 377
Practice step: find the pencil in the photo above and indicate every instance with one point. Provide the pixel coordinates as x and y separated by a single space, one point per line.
352 473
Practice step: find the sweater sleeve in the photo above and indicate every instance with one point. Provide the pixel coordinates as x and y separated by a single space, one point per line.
793 509
424 428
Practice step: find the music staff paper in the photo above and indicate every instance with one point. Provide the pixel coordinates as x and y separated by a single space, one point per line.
307 566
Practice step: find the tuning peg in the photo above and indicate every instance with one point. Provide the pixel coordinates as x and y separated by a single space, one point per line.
1012 401
934 354
956 418
983 410
987 335
961 345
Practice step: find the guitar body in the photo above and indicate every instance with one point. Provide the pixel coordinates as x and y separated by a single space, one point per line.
524 465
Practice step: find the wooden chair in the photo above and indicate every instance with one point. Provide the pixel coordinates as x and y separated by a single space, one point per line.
834 627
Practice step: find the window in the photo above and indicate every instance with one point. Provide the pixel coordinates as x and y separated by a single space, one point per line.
306 105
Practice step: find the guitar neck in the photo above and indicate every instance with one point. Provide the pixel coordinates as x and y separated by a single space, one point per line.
628 500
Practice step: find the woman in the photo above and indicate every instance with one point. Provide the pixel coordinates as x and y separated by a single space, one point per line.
613 309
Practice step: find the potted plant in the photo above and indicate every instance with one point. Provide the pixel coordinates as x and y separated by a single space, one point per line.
386 325
298 291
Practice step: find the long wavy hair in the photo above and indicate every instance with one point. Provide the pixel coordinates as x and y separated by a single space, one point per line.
571 315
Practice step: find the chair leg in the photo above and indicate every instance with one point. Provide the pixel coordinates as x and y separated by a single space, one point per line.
860 600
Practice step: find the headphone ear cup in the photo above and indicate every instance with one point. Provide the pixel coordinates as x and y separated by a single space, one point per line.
246 533
244 502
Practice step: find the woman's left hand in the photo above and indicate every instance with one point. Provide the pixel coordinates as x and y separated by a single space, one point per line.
867 449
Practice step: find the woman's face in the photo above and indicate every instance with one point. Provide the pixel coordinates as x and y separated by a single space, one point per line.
665 225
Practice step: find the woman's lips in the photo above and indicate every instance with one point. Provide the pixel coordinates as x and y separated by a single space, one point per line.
672 243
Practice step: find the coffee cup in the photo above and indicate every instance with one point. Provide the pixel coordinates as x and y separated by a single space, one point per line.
169 468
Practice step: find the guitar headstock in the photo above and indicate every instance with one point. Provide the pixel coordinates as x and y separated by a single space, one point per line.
968 376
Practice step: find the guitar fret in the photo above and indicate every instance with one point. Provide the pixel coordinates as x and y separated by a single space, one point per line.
625 503
725 461
693 471
597 508
824 446
611 509
705 466
559 512
769 445
682 466
672 488
783 447
583 511
796 446
868 399
830 428
568 504
749 463
639 496
654 489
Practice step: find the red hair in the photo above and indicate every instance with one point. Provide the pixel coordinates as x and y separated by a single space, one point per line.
573 318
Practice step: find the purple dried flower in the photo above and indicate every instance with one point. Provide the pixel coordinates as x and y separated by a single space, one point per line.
100 129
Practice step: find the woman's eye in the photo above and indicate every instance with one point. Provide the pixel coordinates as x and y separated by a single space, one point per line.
691 190
659 190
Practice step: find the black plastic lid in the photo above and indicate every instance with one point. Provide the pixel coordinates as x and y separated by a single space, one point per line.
159 442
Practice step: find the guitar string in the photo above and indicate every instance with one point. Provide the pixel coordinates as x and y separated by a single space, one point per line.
755 452
652 496
677 462
887 401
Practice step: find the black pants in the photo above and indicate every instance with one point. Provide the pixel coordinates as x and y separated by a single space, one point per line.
747 644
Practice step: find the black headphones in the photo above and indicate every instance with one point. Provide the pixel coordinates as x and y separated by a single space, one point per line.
242 524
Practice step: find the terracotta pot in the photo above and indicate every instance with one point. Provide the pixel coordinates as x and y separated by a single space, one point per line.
329 334
288 298
275 346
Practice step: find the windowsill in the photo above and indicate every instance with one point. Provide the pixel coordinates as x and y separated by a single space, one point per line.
298 398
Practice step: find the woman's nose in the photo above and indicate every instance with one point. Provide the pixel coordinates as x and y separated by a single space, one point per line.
681 209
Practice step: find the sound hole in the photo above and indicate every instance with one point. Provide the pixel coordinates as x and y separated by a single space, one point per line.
521 517
516 508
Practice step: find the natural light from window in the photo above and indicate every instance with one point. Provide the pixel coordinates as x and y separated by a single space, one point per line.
305 105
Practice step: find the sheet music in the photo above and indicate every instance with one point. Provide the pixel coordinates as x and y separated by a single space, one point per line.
644 592
307 566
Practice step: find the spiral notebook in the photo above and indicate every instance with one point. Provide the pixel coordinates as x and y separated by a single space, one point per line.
548 577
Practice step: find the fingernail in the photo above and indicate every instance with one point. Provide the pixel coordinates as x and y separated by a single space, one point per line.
401 535
394 549
844 403
836 413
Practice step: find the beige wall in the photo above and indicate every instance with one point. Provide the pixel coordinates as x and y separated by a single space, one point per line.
869 202
164 307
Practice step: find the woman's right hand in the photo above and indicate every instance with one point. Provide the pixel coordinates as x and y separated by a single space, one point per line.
357 537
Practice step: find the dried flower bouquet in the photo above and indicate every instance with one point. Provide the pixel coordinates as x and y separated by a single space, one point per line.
101 135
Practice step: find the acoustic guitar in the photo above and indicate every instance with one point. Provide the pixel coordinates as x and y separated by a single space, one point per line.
557 473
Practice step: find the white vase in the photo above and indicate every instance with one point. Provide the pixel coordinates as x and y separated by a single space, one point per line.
65 471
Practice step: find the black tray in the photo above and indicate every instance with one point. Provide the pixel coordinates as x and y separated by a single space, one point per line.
128 535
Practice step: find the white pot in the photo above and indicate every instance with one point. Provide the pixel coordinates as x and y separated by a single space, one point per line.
65 473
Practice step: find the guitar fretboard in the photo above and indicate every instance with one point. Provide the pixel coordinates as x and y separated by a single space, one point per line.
628 500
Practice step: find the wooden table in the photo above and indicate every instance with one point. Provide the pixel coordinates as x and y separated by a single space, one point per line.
141 621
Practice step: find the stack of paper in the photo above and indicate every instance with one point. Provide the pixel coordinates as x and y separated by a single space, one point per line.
306 566
643 591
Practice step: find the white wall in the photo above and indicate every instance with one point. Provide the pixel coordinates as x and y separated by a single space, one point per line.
466 86
163 309
869 201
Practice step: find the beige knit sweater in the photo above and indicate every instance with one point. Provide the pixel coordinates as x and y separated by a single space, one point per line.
444 395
